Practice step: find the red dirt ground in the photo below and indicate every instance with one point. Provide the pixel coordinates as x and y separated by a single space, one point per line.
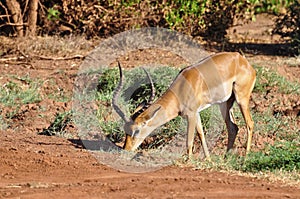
38 166
35 166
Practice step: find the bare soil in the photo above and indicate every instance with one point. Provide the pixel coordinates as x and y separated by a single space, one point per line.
39 166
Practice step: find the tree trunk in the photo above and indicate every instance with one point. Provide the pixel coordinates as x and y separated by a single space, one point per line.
32 17
15 11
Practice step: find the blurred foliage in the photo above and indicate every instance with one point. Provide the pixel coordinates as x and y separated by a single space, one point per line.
206 18
287 25
270 6
104 18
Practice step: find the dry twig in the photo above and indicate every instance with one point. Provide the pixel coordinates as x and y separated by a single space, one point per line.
58 58
38 57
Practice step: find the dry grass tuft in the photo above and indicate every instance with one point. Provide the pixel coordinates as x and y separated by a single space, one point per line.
54 46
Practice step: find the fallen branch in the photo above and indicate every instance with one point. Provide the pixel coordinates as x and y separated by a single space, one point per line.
13 59
28 57
18 63
59 58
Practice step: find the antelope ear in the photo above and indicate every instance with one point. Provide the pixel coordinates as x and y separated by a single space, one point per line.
153 112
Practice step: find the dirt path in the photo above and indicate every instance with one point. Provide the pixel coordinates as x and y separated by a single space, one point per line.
34 166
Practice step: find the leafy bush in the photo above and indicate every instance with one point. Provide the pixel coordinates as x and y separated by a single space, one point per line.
209 18
220 15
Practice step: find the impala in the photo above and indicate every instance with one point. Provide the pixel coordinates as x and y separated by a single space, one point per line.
222 78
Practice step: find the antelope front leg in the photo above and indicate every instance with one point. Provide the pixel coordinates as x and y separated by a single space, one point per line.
202 137
191 134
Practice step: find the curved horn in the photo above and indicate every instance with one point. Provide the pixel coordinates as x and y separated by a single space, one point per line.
116 94
144 105
152 87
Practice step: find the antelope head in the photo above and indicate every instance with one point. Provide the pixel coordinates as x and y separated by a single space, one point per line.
138 126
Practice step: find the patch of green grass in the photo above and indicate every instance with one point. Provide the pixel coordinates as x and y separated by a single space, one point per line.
269 124
279 126
20 90
107 83
112 130
267 79
57 127
280 156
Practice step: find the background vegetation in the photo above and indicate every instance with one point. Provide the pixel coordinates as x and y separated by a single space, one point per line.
206 18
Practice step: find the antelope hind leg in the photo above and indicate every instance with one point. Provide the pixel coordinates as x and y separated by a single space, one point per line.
231 126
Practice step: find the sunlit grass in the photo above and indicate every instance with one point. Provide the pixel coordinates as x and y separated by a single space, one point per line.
267 79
